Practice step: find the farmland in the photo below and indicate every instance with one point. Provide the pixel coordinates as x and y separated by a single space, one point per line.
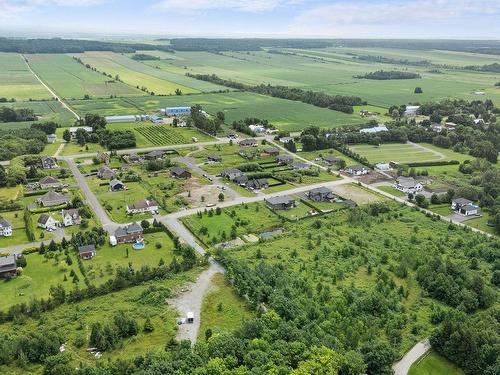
69 79
16 81
47 110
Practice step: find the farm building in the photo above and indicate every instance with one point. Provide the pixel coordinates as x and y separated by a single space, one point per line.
179 172
145 205
177 111
375 129
257 128
128 234
407 185
49 182
71 217
52 198
73 129
5 228
120 119
87 251
156 119
280 203
357 170
8 266
321 194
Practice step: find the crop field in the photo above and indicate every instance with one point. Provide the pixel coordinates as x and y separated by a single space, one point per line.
284 114
47 110
161 135
333 69
402 153
140 75
16 80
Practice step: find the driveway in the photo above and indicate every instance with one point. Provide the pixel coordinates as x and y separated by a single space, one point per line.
403 366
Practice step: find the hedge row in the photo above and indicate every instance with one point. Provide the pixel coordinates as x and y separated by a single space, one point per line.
432 163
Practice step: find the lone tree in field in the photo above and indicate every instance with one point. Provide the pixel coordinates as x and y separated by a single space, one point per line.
418 90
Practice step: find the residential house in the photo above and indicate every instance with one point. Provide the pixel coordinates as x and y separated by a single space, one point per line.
357 170
49 182
436 127
285 139
232 135
284 159
383 166
52 198
241 180
103 157
87 251
116 185
375 129
153 155
47 222
128 234
106 173
8 266
464 207
71 217
257 184
213 158
271 151
280 203
407 185
231 173
257 128
49 162
330 159
5 228
411 110
133 158
301 166
51 138
450 125
144 205
248 142
321 194
73 130
179 172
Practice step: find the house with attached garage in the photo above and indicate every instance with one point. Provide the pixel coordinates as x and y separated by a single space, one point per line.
52 198
271 151
106 173
257 184
116 185
49 182
464 207
284 159
301 166
49 162
87 251
330 159
321 194
407 185
248 142
357 170
8 266
5 228
179 172
128 234
231 173
280 203
153 155
71 217
145 205
47 222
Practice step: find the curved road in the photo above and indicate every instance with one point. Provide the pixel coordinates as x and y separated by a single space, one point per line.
403 366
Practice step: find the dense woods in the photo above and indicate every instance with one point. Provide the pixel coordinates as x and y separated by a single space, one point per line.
16 115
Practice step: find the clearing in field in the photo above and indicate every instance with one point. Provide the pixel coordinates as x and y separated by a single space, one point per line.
70 79
398 152
16 80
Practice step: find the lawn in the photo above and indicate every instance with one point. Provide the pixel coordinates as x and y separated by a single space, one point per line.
19 235
434 364
222 309
482 223
398 152
391 190
316 156
16 80
70 79
246 218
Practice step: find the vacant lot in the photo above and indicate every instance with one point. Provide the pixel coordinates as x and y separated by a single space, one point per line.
16 81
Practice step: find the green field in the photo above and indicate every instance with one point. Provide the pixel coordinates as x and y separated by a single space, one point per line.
284 114
434 364
16 80
140 75
69 79
47 110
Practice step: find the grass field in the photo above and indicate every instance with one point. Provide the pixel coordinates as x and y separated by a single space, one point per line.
136 74
434 364
284 114
47 110
69 79
16 80
222 309
391 190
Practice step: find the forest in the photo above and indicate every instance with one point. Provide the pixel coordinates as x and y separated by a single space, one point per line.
219 45
16 115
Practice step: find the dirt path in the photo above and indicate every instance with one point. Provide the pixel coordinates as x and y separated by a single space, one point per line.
403 366
50 90
437 153
59 149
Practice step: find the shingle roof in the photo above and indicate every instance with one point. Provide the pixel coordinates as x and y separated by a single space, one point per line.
320 190
48 180
7 263
178 170
284 199
406 182
43 219
86 248
461 201
4 223
144 203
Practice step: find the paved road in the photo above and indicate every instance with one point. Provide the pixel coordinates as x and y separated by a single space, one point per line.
403 366
50 90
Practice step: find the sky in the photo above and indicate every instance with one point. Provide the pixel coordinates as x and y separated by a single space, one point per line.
453 19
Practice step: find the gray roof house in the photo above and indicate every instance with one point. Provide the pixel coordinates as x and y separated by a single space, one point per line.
106 173
48 182
51 138
87 251
284 159
5 228
8 266
321 194
407 184
280 203
330 159
214 158
179 172
272 151
240 180
257 184
52 198
301 166
154 155
49 162
231 173
248 142
116 185
129 233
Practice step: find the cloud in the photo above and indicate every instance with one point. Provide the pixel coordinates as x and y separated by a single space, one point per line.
14 8
237 5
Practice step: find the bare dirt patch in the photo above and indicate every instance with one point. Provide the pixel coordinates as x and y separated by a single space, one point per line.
194 191
356 193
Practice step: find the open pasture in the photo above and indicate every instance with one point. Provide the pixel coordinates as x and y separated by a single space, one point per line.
16 80
69 79
398 152
47 110
284 114
140 75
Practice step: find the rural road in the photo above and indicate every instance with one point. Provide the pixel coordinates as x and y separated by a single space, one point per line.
50 90
403 366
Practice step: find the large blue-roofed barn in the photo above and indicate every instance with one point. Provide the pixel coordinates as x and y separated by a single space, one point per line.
176 111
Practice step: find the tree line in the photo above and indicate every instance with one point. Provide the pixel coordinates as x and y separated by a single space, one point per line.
387 75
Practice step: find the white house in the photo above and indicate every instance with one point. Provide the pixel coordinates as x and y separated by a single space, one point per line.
407 185
71 217
47 222
257 128
375 129
5 228
51 138
383 166
464 207
357 170
142 206
411 110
